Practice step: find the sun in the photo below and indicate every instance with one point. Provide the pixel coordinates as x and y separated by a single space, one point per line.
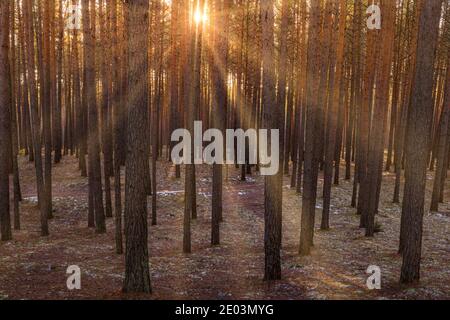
199 16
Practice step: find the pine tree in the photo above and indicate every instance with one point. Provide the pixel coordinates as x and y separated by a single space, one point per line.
95 182
441 168
418 140
376 144
271 120
337 58
34 115
137 274
312 136
219 69
5 122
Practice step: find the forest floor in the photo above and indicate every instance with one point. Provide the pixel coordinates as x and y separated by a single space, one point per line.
32 267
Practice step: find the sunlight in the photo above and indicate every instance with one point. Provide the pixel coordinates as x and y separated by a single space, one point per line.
199 16
205 150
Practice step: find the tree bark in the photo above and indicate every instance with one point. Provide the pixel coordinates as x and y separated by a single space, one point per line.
418 141
95 176
137 273
46 83
311 163
34 115
271 120
117 118
5 123
441 169
338 56
219 84
376 144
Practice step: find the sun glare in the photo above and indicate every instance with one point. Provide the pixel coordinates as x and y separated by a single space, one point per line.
200 17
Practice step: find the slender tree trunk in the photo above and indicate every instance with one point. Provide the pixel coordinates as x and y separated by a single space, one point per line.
175 73
15 106
298 150
47 106
271 120
34 115
364 129
106 117
312 136
376 144
282 72
418 140
407 87
5 123
338 56
219 109
116 130
79 102
192 83
58 74
95 185
156 107
189 168
356 148
441 169
137 273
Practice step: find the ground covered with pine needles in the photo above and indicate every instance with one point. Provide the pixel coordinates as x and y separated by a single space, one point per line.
32 267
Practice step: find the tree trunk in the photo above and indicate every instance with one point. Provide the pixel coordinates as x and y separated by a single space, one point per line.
219 67
338 56
58 74
271 120
175 73
418 141
376 144
5 123
312 136
47 106
34 115
95 177
441 169
137 273
117 118
282 72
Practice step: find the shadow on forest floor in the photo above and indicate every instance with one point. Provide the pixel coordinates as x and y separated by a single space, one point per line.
34 267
